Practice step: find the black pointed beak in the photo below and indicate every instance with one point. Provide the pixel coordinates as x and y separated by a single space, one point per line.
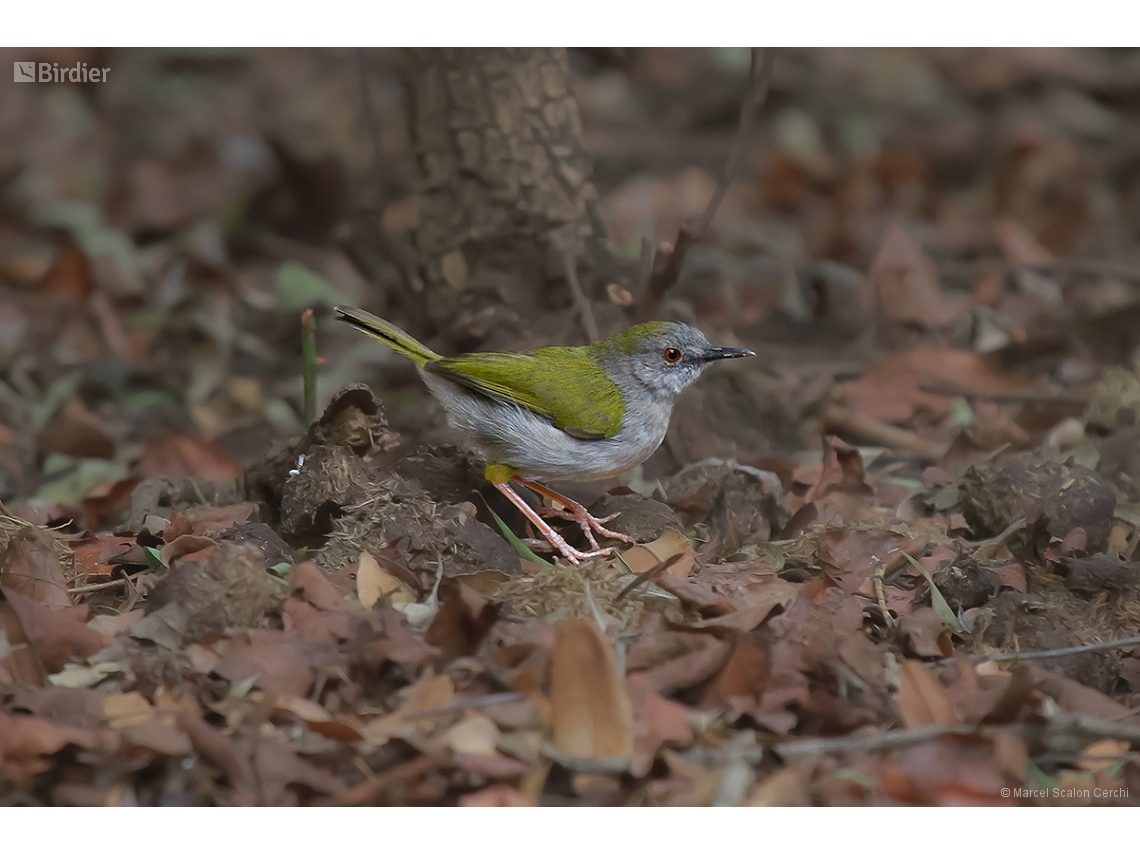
712 354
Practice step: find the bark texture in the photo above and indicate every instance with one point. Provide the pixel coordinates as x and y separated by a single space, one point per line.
505 177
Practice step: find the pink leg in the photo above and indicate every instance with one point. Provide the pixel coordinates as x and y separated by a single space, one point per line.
569 552
576 512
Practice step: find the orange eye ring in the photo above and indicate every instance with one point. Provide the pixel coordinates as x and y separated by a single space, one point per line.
672 355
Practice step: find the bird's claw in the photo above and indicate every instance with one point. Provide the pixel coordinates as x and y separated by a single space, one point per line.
588 522
576 556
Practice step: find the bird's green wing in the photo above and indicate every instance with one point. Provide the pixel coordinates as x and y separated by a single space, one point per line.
562 384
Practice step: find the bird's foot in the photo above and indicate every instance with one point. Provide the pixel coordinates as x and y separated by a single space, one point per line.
588 522
574 556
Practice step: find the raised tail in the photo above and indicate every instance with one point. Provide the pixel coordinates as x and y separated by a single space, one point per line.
388 333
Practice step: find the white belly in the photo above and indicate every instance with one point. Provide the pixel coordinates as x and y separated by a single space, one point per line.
537 449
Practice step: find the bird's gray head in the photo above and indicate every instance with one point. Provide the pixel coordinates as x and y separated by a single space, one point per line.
662 357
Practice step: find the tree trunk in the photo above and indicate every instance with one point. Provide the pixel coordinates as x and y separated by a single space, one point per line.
504 174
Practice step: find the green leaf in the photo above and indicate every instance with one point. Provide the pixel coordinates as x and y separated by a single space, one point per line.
521 548
279 573
937 601
961 413
241 688
297 287
153 558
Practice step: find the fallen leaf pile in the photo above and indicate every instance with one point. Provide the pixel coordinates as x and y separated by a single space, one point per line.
895 560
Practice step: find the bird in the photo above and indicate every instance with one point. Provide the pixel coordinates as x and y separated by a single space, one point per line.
580 413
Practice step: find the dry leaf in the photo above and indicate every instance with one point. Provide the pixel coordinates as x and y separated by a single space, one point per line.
922 699
125 710
431 693
372 583
592 713
645 556
476 734
1103 755
906 283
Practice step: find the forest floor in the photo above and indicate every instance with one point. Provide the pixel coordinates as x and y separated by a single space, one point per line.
895 559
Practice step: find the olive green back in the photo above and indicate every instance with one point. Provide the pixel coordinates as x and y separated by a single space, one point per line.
564 384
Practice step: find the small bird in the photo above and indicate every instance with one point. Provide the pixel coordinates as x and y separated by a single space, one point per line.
561 413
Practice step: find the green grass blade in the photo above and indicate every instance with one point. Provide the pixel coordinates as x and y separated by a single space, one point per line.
521 548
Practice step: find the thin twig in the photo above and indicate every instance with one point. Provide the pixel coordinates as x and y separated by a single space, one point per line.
470 703
102 586
667 266
873 742
648 576
1062 725
585 312
1057 653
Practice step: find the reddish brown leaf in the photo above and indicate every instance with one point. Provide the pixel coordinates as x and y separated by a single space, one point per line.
905 282
947 770
76 431
187 457
69 279
190 547
27 741
657 721
890 391
925 634
58 636
29 566
462 621
107 502
280 662
690 669
744 677
922 699
756 604
94 554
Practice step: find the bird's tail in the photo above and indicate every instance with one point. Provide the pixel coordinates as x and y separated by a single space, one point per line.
388 333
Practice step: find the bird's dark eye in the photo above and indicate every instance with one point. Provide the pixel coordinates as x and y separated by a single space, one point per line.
672 355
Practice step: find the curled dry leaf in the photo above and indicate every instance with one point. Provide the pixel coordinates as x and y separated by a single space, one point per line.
188 546
645 556
592 713
372 583
318 719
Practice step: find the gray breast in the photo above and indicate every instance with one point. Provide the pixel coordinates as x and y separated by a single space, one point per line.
510 434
